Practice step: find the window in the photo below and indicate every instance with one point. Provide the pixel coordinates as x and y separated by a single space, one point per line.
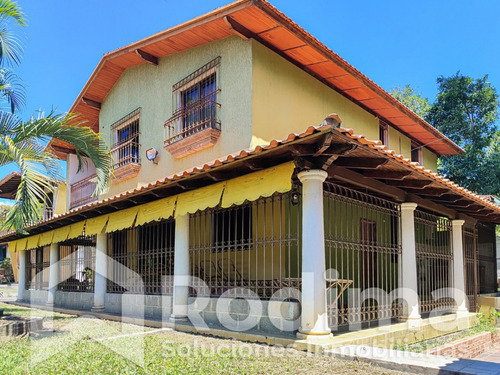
126 132
195 111
416 152
384 133
232 229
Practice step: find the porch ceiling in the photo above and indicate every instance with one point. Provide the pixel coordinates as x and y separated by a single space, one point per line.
259 20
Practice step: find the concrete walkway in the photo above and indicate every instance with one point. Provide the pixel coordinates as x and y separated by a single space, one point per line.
492 355
418 363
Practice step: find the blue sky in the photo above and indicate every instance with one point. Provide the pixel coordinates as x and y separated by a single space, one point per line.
392 42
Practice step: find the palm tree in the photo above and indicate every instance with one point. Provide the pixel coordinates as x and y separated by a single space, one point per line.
24 143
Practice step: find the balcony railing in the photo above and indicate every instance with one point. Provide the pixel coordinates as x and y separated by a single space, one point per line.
192 119
81 192
126 153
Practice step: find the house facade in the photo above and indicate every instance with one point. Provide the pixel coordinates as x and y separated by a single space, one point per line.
261 182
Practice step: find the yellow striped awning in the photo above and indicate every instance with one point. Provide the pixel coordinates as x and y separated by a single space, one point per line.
46 238
199 199
263 183
21 244
121 219
76 230
60 234
33 241
13 246
157 210
95 225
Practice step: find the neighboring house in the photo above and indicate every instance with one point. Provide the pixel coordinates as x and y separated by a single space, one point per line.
56 205
235 163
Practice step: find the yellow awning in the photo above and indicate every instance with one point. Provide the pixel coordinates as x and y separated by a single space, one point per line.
121 219
76 230
12 246
157 210
61 234
33 241
258 184
21 244
199 199
46 238
95 225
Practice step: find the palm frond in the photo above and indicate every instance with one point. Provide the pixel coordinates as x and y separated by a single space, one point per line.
10 48
11 10
88 144
12 89
31 190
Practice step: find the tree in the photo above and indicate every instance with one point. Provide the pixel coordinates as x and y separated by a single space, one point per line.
412 99
466 111
24 143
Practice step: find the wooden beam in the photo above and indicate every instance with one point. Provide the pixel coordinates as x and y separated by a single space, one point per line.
431 191
147 57
386 175
359 180
416 184
429 205
361 162
237 29
62 149
92 103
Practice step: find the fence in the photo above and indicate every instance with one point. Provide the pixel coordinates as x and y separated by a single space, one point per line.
471 266
77 265
434 261
251 250
363 247
147 252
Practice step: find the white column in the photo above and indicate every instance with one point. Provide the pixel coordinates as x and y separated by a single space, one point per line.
458 266
101 269
408 267
53 273
314 319
181 269
21 286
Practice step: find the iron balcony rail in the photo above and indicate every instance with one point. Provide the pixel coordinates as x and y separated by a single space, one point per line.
192 119
126 153
81 191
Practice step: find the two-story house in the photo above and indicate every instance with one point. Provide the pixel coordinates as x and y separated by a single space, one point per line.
295 193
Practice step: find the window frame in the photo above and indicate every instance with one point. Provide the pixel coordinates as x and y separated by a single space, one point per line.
418 149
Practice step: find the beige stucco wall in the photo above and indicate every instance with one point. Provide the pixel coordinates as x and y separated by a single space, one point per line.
430 160
150 87
286 99
263 97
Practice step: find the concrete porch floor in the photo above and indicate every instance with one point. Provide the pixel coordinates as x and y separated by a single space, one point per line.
380 337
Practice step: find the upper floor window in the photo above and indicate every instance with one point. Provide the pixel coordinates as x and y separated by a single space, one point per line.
384 132
416 152
126 147
195 111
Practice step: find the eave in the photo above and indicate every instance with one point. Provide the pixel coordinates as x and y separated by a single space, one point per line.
259 20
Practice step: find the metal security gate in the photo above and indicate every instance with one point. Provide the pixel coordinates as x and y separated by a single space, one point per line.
434 261
362 244
144 256
37 268
250 250
471 266
77 264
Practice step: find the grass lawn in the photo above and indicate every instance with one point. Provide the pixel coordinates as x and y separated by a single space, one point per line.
85 345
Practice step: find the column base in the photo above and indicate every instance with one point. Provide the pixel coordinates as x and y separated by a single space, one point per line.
178 318
97 309
50 304
317 337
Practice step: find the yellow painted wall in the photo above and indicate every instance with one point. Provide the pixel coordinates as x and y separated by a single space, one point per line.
286 99
60 201
401 144
150 87
430 160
